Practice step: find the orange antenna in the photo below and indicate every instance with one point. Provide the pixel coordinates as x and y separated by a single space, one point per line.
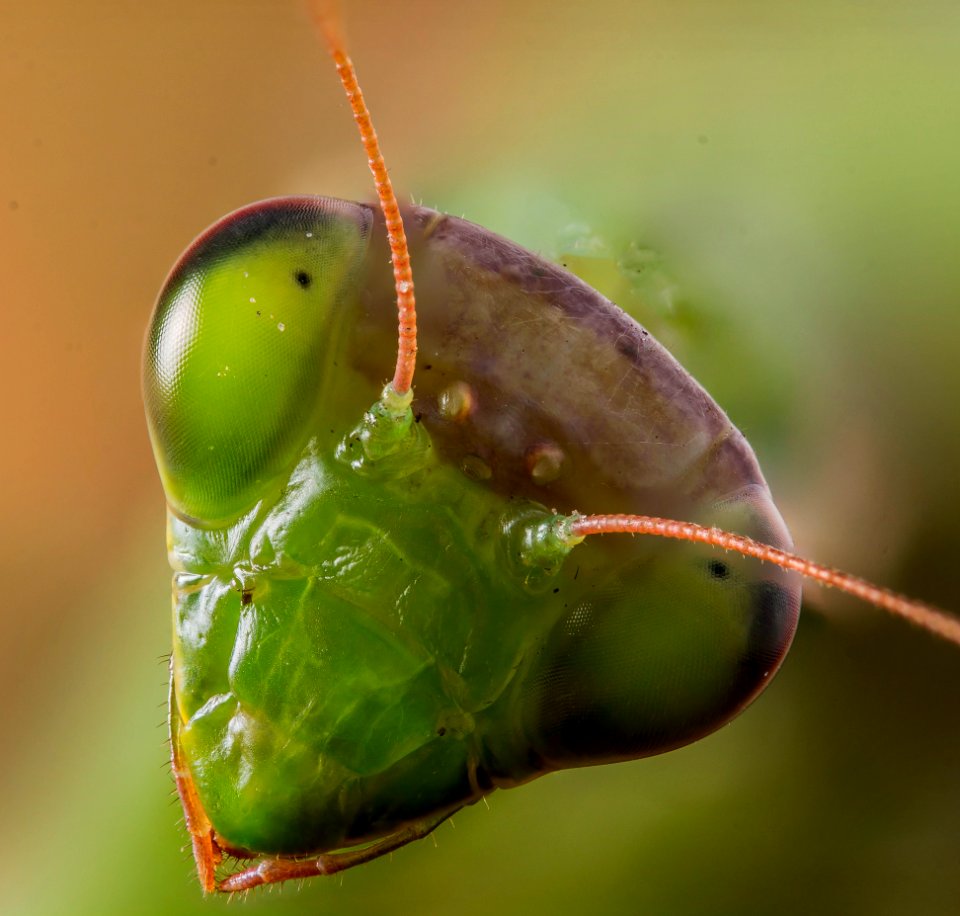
572 529
326 17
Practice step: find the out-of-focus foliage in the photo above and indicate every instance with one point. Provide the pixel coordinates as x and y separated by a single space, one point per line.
793 167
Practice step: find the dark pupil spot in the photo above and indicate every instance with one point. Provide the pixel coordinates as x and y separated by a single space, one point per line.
718 570
303 278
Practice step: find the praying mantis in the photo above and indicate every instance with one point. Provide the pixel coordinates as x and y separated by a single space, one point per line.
199 504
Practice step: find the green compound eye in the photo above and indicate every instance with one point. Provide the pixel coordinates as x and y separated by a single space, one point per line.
235 368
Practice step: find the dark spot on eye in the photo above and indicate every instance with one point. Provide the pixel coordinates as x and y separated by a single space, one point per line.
246 596
556 591
303 278
258 313
428 367
441 731
718 570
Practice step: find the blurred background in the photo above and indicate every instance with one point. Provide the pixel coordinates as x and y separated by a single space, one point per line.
793 167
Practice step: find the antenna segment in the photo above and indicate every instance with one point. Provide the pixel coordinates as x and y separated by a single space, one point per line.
572 529
326 17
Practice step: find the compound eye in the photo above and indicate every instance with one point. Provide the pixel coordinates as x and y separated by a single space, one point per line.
238 347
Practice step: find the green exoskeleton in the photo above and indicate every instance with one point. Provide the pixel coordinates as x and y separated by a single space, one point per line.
382 606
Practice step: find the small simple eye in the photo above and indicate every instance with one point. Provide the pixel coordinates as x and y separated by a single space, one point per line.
718 570
303 278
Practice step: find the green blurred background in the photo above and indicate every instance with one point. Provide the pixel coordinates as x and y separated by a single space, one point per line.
794 166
